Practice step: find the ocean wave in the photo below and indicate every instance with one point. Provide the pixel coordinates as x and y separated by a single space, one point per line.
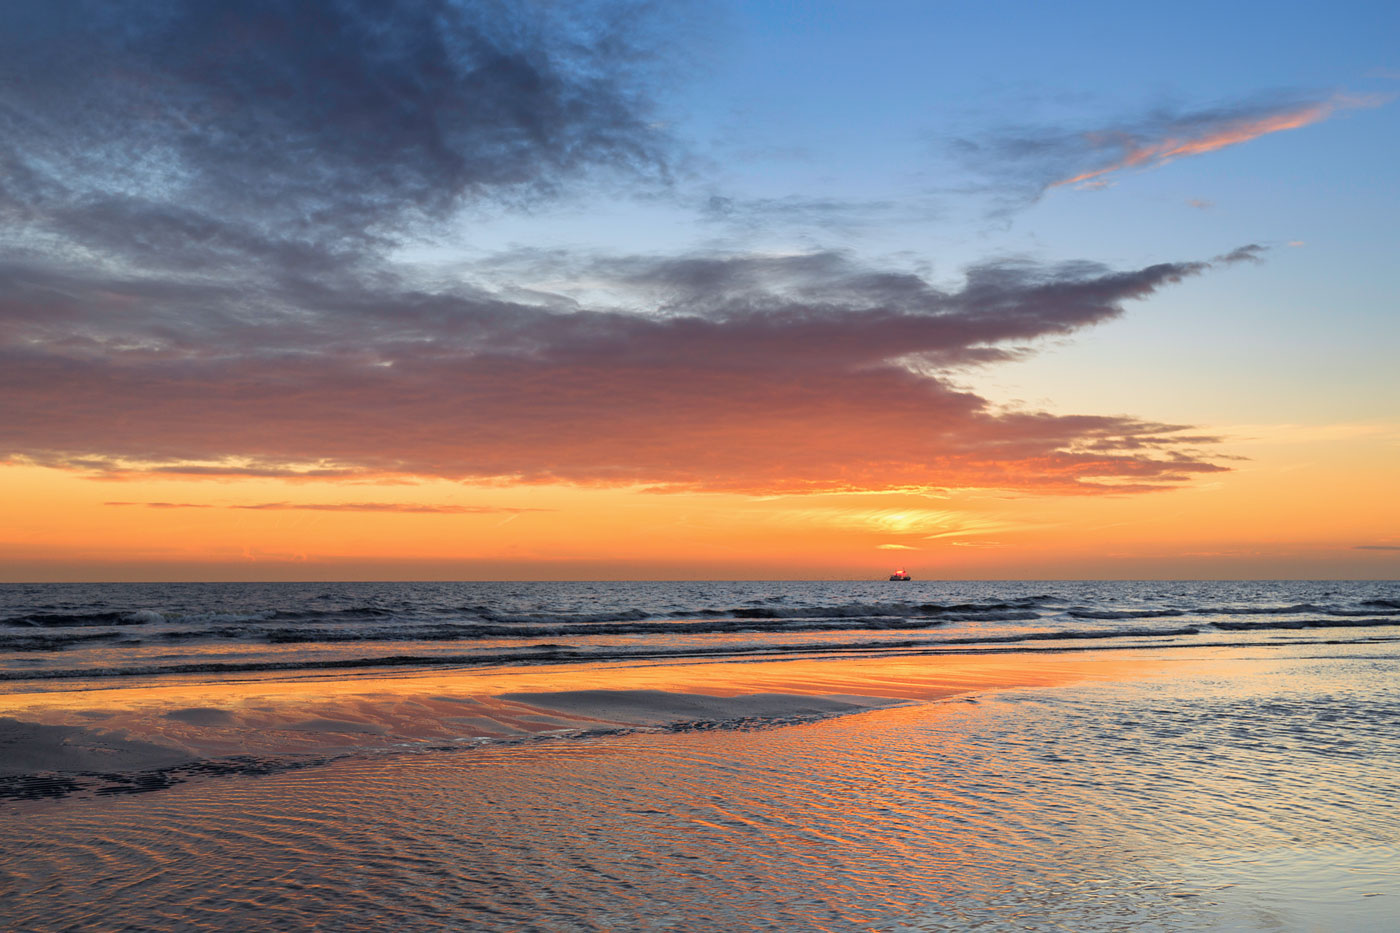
551 653
478 631
45 641
1336 622
1079 612
75 619
129 617
605 621
763 611
863 610
348 614
1258 610
560 618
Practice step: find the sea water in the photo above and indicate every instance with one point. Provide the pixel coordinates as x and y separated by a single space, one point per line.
91 631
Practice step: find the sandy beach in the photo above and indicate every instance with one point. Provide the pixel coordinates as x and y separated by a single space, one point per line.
1225 790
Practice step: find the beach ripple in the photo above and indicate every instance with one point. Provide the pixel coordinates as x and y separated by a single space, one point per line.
1258 795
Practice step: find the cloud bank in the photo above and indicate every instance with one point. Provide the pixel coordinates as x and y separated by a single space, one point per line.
797 373
201 202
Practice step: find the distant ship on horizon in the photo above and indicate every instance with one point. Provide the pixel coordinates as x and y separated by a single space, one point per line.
900 575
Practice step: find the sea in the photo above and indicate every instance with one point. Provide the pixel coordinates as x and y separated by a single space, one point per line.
93 631
1251 786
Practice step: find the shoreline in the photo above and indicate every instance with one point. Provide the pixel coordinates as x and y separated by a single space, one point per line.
161 725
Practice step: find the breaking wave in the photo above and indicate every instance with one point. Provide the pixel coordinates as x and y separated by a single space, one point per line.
62 630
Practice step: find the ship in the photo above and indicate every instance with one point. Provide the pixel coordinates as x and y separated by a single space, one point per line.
900 575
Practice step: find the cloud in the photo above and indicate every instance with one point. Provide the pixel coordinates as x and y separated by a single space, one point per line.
404 507
164 505
1028 161
1377 547
337 123
1196 134
827 214
1252 252
202 209
796 373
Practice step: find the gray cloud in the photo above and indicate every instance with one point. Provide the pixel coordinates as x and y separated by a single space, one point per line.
330 122
825 214
754 373
1252 252
198 204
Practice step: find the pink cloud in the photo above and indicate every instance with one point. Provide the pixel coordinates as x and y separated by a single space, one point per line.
1188 139
790 374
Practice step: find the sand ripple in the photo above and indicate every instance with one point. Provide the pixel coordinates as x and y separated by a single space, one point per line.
1257 796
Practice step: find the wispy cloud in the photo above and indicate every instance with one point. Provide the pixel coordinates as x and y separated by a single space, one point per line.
164 505
1377 547
836 215
1252 252
1024 162
403 507
1196 134
406 507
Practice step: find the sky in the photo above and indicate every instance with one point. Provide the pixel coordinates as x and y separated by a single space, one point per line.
745 290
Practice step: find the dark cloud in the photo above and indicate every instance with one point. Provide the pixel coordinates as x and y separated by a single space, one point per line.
333 122
1377 547
198 201
751 373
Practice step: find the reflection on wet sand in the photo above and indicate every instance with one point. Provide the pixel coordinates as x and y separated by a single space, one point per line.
1244 794
282 716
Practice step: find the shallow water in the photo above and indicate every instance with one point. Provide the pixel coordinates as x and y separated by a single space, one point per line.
1253 791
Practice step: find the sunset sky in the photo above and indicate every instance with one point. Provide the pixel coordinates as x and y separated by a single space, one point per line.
436 290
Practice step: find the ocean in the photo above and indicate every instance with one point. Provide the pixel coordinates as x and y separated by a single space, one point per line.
633 756
94 631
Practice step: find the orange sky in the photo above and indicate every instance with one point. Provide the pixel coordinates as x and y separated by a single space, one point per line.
1303 505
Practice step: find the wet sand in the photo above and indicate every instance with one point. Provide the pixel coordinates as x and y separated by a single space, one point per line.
1247 789
162 723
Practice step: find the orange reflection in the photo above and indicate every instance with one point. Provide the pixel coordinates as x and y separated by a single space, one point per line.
276 714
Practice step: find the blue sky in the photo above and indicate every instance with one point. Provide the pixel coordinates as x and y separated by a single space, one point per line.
835 125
